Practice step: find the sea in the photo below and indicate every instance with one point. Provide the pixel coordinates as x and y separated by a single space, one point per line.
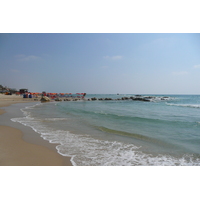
164 131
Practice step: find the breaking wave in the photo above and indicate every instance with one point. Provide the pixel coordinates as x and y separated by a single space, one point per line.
87 151
184 105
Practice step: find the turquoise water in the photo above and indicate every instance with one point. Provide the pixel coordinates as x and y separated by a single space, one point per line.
121 132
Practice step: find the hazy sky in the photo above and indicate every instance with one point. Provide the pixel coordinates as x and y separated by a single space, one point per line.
101 63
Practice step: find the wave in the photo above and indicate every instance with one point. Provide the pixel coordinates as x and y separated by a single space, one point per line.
85 150
136 136
100 117
156 120
54 119
123 133
184 105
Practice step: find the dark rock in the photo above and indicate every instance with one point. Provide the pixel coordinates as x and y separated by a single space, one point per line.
146 99
108 98
140 99
164 98
57 99
125 98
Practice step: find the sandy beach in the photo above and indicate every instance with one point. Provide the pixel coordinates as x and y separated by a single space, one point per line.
15 151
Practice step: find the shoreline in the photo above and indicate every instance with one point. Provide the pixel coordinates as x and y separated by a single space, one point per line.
20 146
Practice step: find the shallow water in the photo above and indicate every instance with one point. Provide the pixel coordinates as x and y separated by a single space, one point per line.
121 132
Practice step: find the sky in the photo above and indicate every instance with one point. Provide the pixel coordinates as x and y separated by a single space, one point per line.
101 63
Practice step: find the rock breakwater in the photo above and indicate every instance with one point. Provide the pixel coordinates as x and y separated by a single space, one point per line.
133 98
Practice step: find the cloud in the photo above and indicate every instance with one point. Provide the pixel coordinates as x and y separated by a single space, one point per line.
23 57
181 73
197 66
113 57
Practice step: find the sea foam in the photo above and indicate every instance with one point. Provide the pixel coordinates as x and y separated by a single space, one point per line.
184 105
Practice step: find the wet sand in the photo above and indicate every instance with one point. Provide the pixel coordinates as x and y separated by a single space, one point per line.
15 151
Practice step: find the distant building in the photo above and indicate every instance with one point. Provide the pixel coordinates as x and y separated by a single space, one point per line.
22 91
3 89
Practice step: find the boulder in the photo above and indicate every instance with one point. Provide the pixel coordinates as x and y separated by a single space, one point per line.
57 99
108 98
140 99
45 99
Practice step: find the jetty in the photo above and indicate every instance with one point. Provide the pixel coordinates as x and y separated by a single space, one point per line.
133 98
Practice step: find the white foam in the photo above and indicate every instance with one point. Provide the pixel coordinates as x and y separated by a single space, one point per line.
184 105
90 151
158 99
55 119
